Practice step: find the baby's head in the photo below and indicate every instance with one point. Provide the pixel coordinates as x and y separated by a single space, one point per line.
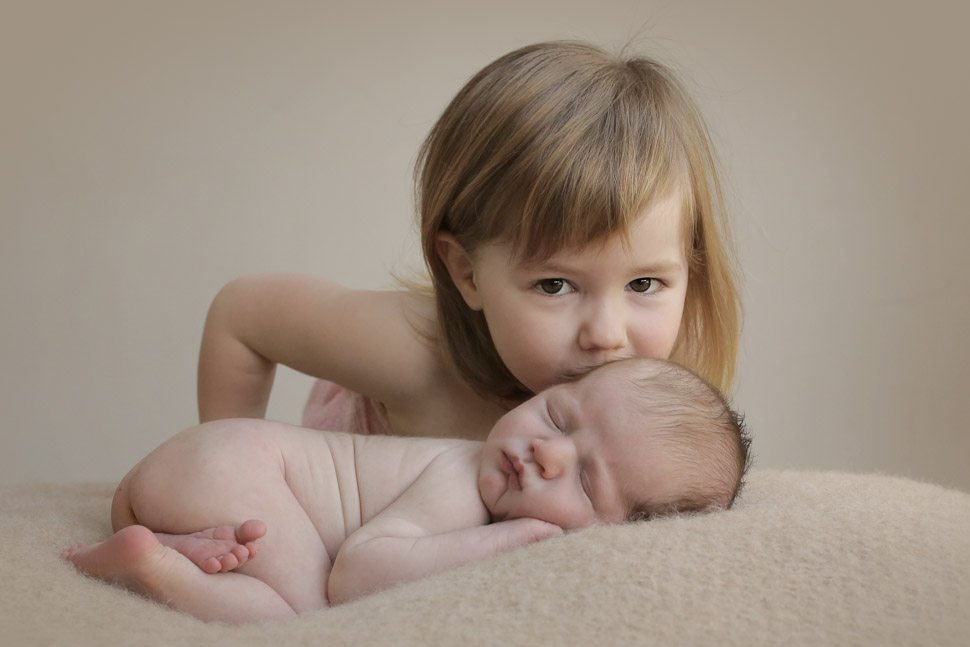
630 440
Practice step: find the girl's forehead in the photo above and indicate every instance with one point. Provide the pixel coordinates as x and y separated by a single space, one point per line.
652 254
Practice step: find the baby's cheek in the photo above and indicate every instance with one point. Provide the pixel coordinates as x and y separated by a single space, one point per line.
563 513
489 488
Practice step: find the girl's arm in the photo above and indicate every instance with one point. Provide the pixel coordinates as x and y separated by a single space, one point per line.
364 340
370 564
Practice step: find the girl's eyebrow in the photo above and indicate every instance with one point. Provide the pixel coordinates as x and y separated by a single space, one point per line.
661 267
664 266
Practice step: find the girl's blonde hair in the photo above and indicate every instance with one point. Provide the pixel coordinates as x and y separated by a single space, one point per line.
560 144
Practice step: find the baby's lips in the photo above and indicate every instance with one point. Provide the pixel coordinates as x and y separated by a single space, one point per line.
506 463
509 462
518 465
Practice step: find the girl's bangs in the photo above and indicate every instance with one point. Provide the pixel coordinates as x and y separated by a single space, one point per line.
600 189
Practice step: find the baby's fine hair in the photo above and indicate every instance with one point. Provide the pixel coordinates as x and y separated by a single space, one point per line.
701 437
560 144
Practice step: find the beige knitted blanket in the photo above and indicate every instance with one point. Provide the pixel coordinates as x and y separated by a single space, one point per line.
804 558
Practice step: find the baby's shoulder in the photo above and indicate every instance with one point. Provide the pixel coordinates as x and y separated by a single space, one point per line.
454 471
457 454
408 473
451 481
406 458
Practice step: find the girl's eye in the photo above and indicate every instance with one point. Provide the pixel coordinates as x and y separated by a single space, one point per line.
644 285
554 287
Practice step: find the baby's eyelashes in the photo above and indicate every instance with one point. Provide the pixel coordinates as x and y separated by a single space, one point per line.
587 488
557 427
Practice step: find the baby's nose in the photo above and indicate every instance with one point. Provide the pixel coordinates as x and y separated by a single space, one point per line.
551 457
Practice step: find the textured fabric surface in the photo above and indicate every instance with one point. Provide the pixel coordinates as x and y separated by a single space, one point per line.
331 406
805 558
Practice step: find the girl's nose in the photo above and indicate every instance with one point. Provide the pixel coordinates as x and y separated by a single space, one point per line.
552 455
603 327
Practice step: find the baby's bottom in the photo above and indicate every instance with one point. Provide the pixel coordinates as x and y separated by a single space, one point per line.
216 474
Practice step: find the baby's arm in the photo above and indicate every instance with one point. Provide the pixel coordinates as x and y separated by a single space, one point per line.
362 340
438 523
373 563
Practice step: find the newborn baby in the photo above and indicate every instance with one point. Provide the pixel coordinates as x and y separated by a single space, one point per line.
334 516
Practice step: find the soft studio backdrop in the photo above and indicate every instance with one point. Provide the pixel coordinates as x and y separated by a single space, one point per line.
149 152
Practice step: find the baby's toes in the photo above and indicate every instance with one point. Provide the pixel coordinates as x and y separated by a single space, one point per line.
229 561
211 565
252 547
242 554
250 531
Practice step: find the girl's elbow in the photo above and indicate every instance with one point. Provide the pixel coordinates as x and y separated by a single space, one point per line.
233 305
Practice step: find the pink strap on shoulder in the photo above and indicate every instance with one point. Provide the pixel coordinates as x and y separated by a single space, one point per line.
335 408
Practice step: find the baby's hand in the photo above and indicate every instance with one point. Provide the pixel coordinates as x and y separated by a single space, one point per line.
527 530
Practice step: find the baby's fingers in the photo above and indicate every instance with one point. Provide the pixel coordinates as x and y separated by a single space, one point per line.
534 530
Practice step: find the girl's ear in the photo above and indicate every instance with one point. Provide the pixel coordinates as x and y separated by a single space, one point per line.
460 267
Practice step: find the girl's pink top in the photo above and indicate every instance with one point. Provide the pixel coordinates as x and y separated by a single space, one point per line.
335 408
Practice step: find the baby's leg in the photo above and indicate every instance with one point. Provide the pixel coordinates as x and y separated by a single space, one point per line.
216 475
134 558
214 550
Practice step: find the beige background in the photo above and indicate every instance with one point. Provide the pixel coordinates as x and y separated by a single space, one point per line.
149 152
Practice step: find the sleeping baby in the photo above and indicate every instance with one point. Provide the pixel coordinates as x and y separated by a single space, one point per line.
245 520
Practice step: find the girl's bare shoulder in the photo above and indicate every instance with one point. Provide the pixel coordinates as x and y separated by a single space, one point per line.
384 344
397 330
376 342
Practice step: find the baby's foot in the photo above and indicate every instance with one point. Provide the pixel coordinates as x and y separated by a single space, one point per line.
132 557
219 549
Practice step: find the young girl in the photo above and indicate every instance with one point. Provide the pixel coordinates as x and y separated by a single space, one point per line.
570 215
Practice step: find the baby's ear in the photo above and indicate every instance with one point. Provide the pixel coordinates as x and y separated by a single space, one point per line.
460 267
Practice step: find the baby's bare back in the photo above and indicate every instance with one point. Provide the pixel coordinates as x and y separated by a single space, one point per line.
339 480
344 480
